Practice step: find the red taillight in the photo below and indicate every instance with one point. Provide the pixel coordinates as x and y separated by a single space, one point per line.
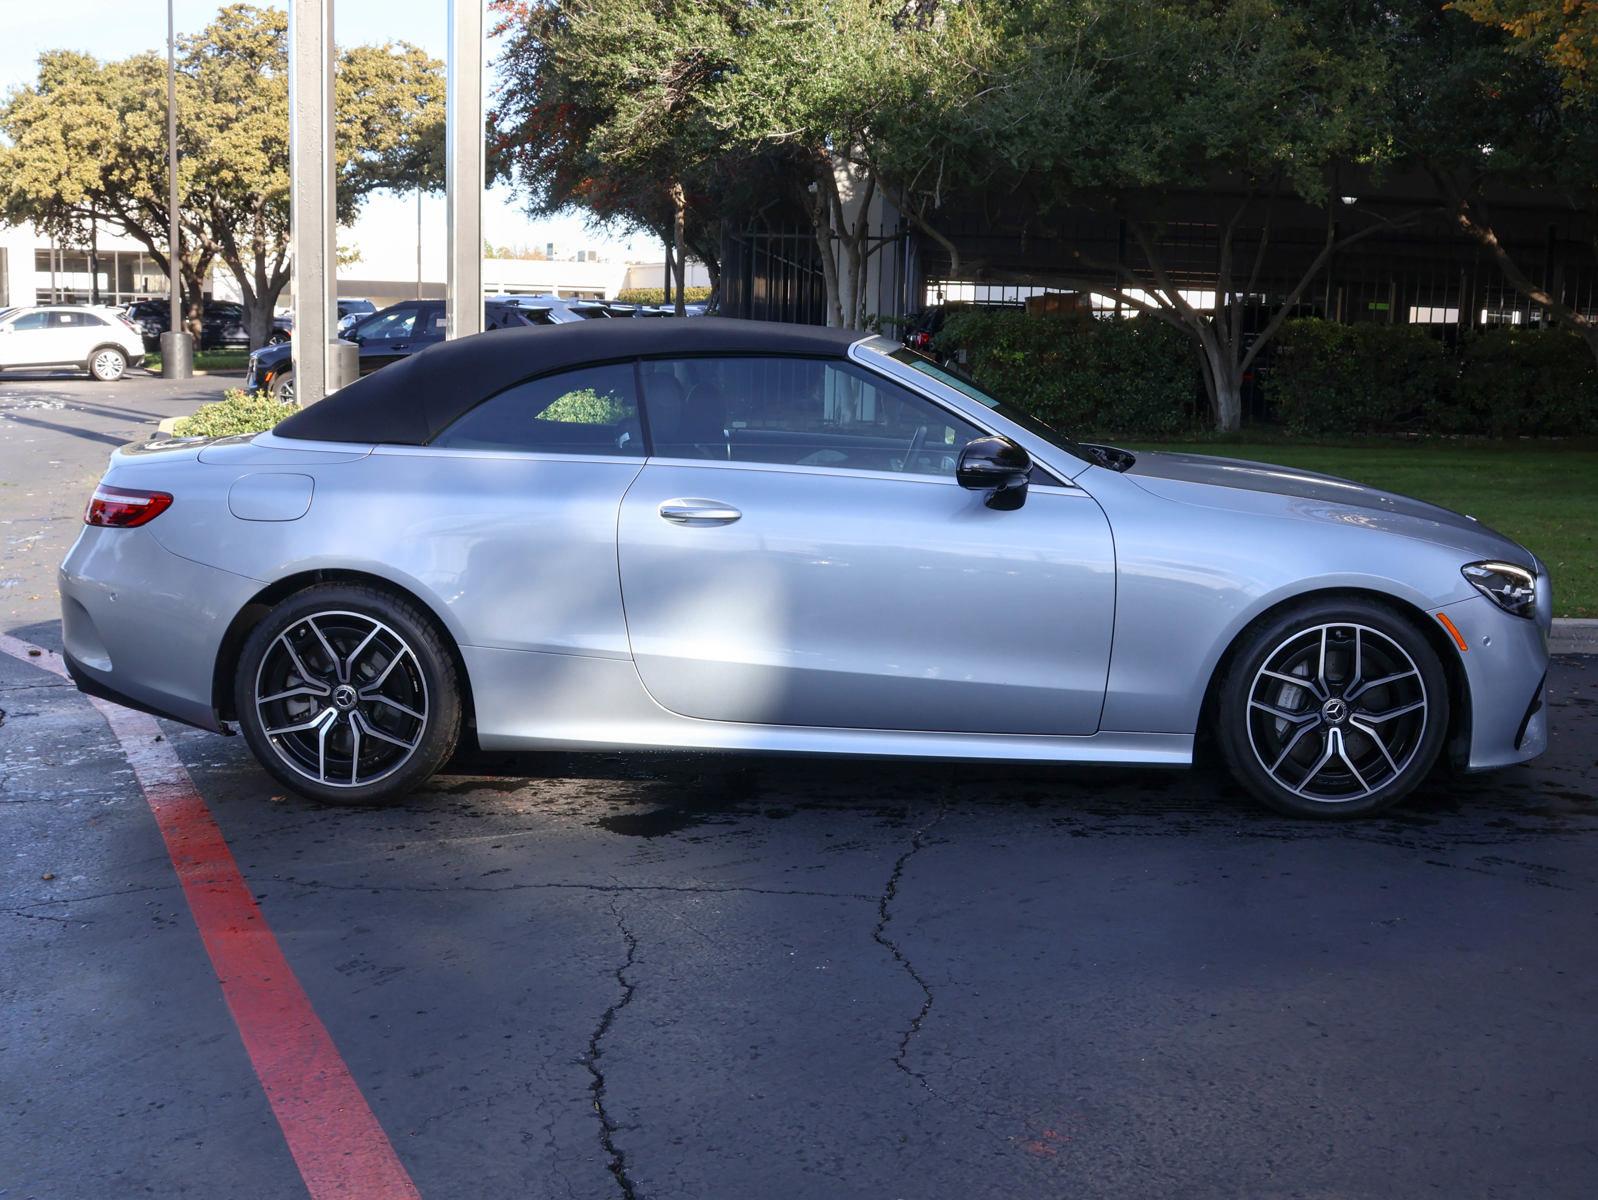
920 341
123 508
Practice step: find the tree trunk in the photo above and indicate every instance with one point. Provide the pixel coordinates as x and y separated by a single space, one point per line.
1225 386
193 302
818 207
679 206
1474 221
258 312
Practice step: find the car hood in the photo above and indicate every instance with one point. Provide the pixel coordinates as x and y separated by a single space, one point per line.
272 356
1326 495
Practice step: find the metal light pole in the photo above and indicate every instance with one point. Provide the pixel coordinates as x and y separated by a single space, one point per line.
177 347
321 362
463 172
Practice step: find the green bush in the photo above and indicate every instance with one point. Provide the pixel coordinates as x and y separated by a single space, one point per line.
1347 379
693 295
1521 383
1132 377
237 412
585 406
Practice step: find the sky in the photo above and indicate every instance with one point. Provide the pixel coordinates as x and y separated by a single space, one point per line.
386 232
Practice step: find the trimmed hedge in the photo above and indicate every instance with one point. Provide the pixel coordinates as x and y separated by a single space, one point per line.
1521 383
1133 377
1504 382
1331 378
237 412
690 295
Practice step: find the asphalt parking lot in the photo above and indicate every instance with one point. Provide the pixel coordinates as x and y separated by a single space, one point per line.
716 976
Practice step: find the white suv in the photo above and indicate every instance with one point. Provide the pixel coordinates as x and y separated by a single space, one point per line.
92 339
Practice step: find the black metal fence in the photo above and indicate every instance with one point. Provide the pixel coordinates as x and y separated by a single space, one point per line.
1414 269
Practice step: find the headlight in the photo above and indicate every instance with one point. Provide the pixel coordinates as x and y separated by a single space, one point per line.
1512 588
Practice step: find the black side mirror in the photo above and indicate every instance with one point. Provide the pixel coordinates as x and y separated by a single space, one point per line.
997 465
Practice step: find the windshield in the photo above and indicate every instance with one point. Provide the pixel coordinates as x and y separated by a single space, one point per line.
963 383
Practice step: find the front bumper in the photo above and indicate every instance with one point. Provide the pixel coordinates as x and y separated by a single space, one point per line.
143 627
1505 666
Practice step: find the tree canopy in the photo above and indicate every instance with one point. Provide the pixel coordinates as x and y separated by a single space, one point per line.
693 115
88 145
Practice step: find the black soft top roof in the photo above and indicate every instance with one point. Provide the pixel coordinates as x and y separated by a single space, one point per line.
410 402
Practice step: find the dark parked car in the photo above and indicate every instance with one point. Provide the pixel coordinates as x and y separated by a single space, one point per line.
394 333
221 324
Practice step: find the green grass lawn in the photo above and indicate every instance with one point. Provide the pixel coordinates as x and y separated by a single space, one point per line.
1544 494
205 360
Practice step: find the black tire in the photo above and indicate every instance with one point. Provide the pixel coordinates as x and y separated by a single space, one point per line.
107 364
282 387
306 666
1365 727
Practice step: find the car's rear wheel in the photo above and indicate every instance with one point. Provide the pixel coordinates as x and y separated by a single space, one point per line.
1337 708
108 364
348 694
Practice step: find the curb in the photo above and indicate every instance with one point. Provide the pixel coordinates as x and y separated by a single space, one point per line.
167 425
1573 635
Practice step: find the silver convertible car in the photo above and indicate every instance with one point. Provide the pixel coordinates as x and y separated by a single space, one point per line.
732 535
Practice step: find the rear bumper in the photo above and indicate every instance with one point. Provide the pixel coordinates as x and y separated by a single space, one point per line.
143 627
1506 672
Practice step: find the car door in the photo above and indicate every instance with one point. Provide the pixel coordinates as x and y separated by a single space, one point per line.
388 336
25 340
75 335
529 483
797 551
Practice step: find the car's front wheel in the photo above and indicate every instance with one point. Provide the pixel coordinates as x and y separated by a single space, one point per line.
108 364
348 694
1336 708
282 387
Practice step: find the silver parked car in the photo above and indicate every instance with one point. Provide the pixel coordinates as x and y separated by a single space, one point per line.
732 535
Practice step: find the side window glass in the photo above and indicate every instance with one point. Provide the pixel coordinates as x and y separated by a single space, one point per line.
798 412
73 320
33 320
589 411
390 326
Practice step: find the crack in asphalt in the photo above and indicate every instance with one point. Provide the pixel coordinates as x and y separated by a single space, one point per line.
613 889
879 935
132 891
617 1162
17 912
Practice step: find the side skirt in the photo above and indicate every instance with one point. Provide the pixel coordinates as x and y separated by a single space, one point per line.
533 701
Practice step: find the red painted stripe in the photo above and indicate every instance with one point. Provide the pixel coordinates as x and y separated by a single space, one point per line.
340 1149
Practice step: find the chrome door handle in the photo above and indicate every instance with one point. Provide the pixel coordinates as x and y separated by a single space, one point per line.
699 512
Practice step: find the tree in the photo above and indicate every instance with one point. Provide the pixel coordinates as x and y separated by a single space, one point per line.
1073 104
1480 114
599 106
89 144
1563 33
833 87
679 116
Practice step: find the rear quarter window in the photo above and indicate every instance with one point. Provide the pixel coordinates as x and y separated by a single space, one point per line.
584 412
